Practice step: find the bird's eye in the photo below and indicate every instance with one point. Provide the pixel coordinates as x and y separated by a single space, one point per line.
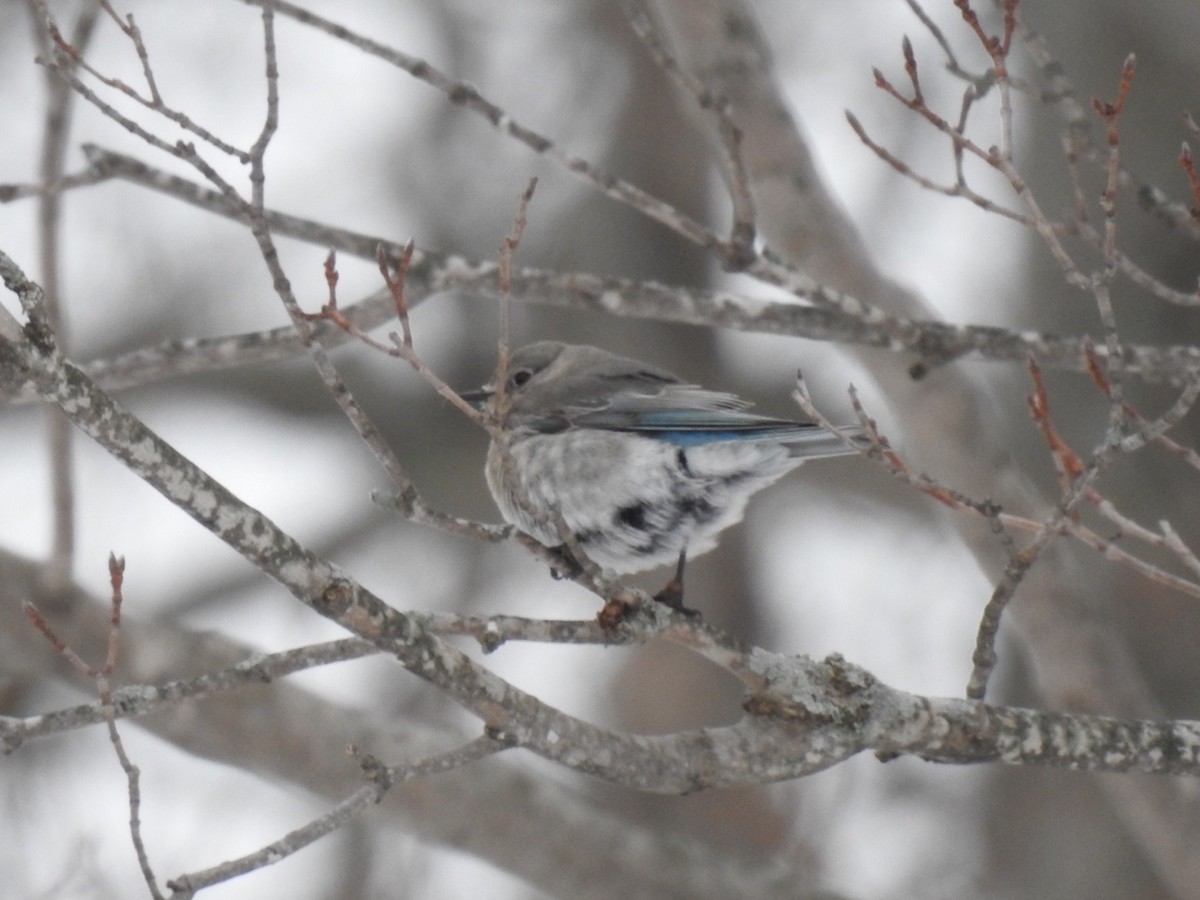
519 377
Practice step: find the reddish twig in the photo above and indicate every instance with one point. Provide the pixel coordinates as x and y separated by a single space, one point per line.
910 67
100 676
960 188
1146 430
996 47
1188 163
154 102
584 571
508 251
395 284
1066 461
1111 114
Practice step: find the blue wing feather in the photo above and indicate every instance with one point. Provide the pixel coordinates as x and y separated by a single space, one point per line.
712 418
692 427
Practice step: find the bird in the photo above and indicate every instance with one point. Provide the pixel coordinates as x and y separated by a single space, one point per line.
641 467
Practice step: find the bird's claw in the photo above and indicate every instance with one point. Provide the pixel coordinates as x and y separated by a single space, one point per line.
565 566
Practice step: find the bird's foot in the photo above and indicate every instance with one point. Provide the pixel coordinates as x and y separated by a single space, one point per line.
565 566
671 593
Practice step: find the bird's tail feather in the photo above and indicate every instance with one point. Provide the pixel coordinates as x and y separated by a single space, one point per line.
819 443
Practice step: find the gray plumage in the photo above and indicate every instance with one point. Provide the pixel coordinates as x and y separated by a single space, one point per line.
640 465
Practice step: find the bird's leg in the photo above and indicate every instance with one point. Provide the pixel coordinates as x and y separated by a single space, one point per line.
672 592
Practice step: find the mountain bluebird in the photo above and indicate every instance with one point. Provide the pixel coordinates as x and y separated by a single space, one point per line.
642 467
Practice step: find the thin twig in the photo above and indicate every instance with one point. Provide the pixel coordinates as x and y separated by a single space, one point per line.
1102 281
380 779
468 97
55 137
743 230
508 252
100 677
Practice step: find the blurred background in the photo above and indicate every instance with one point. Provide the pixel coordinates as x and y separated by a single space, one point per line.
836 558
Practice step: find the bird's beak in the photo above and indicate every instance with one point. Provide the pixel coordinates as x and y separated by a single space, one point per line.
479 397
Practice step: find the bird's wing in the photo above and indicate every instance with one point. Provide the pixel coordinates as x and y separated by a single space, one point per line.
685 415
